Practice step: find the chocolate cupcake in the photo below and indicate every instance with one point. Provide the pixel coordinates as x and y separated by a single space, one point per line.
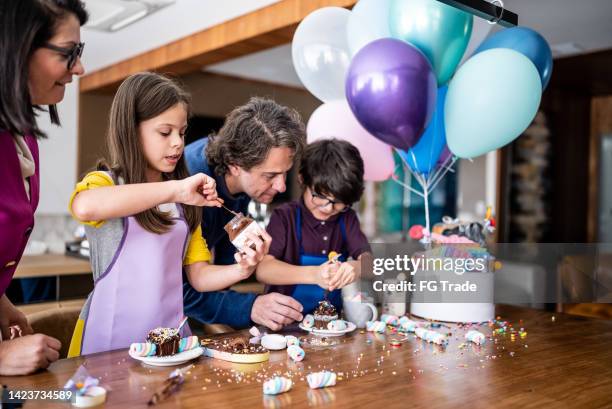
166 340
324 314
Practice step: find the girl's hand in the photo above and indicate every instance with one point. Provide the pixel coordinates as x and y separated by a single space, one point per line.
198 190
345 275
249 258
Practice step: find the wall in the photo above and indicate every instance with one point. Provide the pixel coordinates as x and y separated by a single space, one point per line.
59 157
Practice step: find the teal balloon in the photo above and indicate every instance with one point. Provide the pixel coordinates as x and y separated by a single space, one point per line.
440 31
491 100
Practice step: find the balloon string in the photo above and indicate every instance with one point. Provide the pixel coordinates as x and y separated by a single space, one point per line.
444 172
413 190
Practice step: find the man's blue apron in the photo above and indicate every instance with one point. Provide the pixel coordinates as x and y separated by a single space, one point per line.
309 295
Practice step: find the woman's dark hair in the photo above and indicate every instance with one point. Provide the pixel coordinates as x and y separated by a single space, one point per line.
249 133
333 167
25 26
141 97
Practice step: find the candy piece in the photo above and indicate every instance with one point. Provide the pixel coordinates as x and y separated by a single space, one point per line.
389 319
308 321
291 340
431 336
277 385
274 342
143 349
333 256
189 343
407 325
376 326
416 232
336 325
476 337
321 379
296 353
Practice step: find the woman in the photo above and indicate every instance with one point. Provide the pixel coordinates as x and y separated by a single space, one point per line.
40 50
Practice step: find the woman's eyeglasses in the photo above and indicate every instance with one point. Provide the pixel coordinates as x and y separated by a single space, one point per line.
322 201
72 54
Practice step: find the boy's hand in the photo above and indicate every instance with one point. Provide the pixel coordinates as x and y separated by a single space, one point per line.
344 275
325 273
198 190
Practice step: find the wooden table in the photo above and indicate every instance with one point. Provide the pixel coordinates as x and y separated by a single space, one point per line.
562 363
51 265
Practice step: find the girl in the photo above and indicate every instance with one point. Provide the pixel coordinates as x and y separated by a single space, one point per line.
305 231
139 237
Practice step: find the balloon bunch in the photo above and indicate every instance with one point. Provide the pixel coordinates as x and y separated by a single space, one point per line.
394 74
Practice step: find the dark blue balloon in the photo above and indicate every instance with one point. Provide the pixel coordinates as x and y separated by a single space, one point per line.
527 42
423 157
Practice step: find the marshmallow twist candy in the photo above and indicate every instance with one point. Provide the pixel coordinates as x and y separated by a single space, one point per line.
277 385
308 321
291 340
321 379
189 343
476 337
376 326
431 336
407 325
389 319
336 325
296 353
143 349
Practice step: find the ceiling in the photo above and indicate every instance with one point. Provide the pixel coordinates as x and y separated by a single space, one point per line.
571 27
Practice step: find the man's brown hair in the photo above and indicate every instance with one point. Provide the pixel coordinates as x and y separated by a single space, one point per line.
249 133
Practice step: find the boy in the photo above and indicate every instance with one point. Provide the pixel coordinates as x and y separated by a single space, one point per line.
305 231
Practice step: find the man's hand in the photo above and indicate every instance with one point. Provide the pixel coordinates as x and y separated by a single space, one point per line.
275 310
25 355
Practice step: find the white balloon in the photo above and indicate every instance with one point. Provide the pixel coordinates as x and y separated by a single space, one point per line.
320 52
480 31
369 21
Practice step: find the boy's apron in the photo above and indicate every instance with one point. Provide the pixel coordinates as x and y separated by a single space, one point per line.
142 288
309 295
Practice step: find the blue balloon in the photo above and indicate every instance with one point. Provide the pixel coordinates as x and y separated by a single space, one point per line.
423 157
491 100
527 42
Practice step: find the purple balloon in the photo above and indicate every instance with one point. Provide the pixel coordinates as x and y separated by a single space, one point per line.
446 153
391 89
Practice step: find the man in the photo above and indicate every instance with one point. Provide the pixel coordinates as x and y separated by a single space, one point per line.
249 159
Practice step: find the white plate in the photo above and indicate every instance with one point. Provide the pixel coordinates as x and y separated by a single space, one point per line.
176 359
329 333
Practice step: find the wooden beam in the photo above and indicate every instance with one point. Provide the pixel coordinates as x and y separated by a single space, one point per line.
259 30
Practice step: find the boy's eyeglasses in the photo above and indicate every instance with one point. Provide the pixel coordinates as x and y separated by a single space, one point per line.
322 201
72 54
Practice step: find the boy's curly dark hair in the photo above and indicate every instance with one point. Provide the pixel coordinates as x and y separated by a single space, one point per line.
333 167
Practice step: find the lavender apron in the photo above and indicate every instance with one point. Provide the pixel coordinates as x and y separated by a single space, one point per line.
142 288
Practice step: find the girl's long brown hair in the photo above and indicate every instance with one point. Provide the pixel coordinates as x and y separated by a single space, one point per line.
141 97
